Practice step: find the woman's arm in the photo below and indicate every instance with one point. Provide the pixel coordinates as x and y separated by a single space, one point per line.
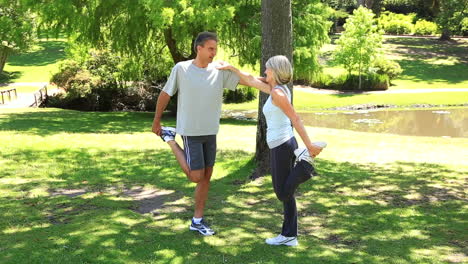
281 100
246 78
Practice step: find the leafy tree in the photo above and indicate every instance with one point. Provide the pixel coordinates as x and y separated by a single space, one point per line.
359 45
450 14
150 31
16 29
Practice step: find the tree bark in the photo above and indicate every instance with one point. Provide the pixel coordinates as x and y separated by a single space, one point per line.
171 43
4 51
276 40
446 34
360 3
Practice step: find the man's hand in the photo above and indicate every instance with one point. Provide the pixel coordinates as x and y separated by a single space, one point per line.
157 127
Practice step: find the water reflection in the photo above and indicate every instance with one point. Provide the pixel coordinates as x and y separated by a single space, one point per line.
422 122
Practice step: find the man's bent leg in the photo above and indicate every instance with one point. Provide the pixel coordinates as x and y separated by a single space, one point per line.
201 192
195 175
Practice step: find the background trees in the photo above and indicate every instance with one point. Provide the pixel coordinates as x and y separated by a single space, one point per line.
358 46
17 29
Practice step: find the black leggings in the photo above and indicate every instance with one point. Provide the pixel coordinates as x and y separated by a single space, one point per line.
286 178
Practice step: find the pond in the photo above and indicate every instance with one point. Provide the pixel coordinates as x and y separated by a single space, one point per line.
450 122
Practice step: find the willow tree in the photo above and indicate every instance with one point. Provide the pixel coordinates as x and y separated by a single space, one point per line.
16 29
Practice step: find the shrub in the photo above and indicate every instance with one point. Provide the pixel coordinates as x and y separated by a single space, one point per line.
241 94
345 82
398 24
387 67
91 86
424 27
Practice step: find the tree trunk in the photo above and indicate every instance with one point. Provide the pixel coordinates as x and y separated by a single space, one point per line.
360 3
446 34
4 51
171 43
276 40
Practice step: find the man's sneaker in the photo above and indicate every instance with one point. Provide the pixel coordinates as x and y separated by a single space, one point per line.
282 240
303 153
168 133
202 227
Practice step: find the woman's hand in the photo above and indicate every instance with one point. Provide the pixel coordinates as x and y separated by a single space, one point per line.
314 150
225 66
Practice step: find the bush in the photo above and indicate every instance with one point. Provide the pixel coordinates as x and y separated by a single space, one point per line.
387 67
241 94
345 82
398 24
424 27
92 86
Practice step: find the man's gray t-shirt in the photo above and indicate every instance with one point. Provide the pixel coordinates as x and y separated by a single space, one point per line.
200 95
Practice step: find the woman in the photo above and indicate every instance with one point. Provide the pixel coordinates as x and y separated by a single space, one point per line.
280 115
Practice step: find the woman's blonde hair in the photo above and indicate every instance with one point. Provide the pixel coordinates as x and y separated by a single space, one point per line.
281 67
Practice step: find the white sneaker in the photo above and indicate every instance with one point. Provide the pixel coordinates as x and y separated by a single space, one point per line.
282 240
168 133
303 153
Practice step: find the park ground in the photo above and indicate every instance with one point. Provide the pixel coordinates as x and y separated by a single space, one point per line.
93 187
100 187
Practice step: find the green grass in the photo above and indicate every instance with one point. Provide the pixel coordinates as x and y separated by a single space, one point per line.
378 199
38 64
304 101
426 63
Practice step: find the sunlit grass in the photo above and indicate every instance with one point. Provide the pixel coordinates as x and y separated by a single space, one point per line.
378 199
426 63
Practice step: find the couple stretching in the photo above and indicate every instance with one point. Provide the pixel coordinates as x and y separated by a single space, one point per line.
200 85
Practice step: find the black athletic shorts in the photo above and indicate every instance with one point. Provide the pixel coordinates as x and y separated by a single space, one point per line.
200 151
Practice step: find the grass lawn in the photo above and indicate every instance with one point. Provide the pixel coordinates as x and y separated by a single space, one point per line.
304 101
38 64
426 63
379 198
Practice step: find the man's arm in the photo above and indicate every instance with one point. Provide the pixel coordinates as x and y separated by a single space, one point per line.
163 100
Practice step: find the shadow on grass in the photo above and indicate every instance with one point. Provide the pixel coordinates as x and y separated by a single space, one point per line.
356 213
49 52
5 77
421 71
52 122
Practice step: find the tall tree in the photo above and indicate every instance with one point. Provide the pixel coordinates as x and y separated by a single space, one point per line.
276 40
449 14
149 30
16 29
359 44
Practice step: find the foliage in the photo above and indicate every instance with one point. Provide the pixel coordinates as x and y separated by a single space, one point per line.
17 32
396 23
359 45
424 27
423 8
154 35
451 14
241 94
311 27
344 82
387 67
92 85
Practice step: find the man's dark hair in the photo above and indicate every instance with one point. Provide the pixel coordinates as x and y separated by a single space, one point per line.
202 38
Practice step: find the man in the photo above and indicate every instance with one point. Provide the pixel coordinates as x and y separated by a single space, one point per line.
200 90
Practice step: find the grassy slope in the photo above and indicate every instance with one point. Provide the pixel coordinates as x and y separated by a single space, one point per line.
426 63
38 64
378 199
